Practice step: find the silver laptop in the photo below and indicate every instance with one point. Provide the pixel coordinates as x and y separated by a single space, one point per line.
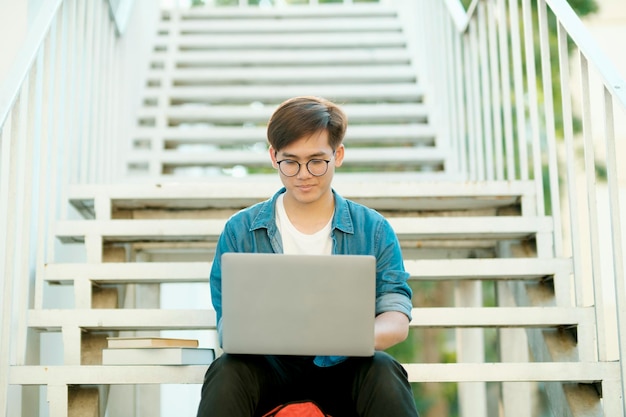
298 304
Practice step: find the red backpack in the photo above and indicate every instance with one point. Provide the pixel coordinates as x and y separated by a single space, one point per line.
297 409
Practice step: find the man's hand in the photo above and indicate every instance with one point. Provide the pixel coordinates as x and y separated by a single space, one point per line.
390 328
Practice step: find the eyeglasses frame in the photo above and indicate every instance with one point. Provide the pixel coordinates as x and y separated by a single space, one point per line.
306 164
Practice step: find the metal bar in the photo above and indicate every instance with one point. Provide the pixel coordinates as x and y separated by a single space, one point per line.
101 96
95 93
460 103
550 125
476 114
43 245
78 93
496 102
113 94
616 232
592 210
86 105
506 91
487 129
452 128
69 87
470 103
119 121
25 206
533 100
6 249
570 169
518 87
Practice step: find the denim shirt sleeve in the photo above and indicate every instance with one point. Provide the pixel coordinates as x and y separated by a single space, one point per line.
363 231
392 290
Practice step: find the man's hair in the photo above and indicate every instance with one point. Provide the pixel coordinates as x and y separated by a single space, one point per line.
304 116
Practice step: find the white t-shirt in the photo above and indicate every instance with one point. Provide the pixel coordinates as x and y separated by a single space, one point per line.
298 243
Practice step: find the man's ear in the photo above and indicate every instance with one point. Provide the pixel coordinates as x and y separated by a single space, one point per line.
339 154
273 157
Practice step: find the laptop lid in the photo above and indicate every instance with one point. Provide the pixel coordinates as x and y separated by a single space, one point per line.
298 304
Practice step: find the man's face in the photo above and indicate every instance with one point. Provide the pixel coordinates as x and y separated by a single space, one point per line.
304 187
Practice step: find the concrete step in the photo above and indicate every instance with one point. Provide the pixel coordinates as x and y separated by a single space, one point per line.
285 58
422 372
206 61
272 23
403 157
55 320
270 95
304 76
389 192
208 230
357 135
304 41
420 270
325 11
240 115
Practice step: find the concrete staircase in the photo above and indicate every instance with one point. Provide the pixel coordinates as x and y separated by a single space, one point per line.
467 233
216 77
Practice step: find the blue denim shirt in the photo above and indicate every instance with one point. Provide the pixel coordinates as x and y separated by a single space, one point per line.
355 230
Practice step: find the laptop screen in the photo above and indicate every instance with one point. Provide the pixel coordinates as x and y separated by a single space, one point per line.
298 304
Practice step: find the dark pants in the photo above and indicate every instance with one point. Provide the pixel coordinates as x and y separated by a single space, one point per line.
251 385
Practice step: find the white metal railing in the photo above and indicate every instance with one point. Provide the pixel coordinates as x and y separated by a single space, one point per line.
261 3
63 114
489 71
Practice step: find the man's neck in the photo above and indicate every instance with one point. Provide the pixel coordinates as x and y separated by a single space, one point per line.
310 217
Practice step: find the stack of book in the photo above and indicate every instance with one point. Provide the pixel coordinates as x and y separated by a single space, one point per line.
155 351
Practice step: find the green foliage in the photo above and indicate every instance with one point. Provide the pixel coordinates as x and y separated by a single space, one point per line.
582 7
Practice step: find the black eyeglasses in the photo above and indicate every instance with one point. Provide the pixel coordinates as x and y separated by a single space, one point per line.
290 168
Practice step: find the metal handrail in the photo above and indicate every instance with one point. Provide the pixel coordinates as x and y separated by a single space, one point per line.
579 34
62 110
480 66
459 15
10 88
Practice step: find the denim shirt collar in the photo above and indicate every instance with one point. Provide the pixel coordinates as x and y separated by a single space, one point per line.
266 217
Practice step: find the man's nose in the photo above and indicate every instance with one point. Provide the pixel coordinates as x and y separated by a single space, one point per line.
303 172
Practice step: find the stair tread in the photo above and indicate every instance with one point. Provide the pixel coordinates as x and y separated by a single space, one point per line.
123 319
405 91
274 57
256 13
375 174
421 372
386 191
357 113
374 156
197 319
296 24
487 227
414 133
423 269
349 186
304 75
301 41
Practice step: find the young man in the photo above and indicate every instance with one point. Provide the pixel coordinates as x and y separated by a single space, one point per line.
307 217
